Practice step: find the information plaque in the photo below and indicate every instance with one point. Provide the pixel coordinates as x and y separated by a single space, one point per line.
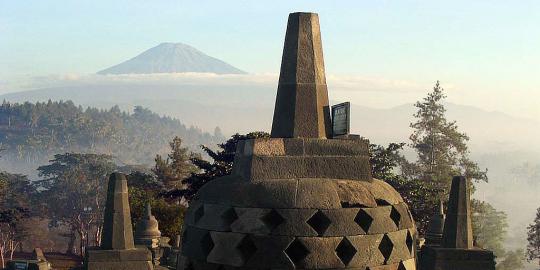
341 117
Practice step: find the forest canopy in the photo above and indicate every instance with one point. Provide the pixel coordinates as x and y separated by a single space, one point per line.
31 133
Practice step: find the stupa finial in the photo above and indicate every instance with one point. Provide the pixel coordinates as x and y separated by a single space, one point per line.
302 109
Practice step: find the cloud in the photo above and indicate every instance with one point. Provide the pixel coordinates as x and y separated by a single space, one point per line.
336 82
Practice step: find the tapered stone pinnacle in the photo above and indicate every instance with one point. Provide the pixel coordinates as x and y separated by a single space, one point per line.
458 225
301 109
117 229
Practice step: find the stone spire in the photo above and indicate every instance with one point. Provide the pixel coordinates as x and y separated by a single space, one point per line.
117 230
458 225
435 230
302 109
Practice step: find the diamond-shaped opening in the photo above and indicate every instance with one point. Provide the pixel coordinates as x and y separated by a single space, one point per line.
229 216
272 219
401 266
395 216
409 241
199 213
364 220
382 202
345 251
385 247
296 251
247 248
206 244
319 222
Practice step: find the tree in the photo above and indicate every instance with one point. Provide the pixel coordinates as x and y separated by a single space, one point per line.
221 165
176 167
512 260
419 195
16 196
14 211
441 148
489 227
145 188
73 190
533 239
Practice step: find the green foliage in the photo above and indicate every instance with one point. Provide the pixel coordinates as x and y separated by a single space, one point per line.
30 133
489 227
533 239
15 204
221 165
145 188
512 260
418 194
73 190
442 149
176 167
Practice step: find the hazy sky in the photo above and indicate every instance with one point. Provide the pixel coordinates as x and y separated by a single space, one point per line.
486 53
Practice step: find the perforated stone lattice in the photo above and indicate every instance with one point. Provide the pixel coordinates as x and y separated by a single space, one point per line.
345 251
395 216
247 248
272 219
297 251
386 247
319 222
364 220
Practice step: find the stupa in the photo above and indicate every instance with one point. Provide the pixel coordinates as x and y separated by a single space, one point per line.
434 233
456 250
300 199
147 234
117 250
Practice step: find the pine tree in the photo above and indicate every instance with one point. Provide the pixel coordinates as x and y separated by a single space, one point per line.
176 167
442 149
533 237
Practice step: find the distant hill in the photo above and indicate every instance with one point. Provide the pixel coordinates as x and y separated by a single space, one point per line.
30 133
172 58
248 107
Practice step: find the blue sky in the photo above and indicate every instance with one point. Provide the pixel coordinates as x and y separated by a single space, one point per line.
483 49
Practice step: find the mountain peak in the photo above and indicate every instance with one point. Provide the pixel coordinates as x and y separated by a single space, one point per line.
171 57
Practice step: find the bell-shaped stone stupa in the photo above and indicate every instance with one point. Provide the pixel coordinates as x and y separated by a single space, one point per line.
300 199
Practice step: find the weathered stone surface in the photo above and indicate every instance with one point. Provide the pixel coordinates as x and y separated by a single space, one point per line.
381 220
197 243
298 200
117 229
302 100
458 223
383 193
435 230
147 229
294 222
316 194
226 249
367 252
269 252
354 194
321 253
117 249
451 258
400 251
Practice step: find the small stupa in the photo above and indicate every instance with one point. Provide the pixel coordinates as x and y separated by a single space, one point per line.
117 250
147 234
147 230
434 233
457 250
302 199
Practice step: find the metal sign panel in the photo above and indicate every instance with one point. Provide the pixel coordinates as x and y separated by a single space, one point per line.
341 119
